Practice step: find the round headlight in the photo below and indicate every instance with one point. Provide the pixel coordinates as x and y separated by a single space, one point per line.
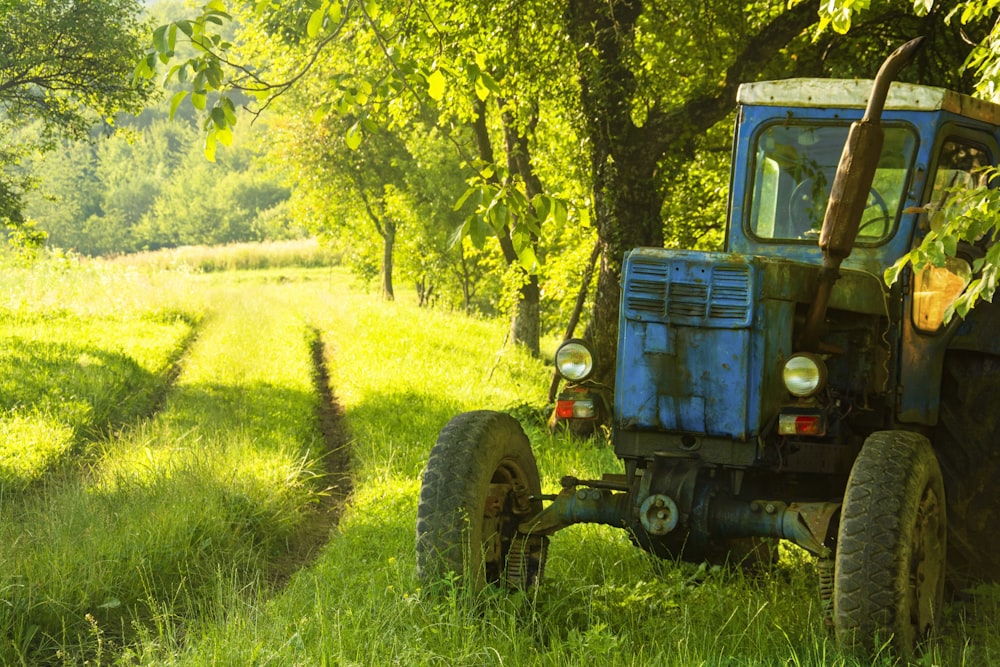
804 375
574 360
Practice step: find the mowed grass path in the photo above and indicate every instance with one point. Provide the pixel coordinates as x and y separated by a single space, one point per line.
170 543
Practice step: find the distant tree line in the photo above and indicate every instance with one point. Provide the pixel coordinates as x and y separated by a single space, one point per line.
144 184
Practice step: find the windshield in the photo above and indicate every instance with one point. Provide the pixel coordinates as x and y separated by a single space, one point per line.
794 171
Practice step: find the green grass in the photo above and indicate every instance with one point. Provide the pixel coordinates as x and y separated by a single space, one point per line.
69 379
170 544
215 482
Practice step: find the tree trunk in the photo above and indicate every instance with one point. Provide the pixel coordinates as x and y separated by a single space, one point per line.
525 325
388 246
627 202
465 280
625 157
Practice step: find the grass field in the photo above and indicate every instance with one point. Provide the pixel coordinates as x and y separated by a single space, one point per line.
170 492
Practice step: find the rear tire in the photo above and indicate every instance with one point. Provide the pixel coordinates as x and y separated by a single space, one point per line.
481 482
967 441
890 558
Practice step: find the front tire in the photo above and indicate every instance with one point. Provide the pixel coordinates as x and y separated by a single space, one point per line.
890 556
481 482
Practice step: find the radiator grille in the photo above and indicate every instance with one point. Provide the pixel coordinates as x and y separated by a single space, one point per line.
685 292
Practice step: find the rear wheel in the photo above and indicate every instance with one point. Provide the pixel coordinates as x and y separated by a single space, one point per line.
968 446
890 559
481 482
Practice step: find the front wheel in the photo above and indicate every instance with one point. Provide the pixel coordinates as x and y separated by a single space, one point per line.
481 482
890 554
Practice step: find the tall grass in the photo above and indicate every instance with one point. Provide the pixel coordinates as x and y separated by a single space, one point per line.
216 483
401 373
299 253
164 551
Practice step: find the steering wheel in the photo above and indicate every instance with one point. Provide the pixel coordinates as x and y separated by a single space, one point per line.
806 218
875 201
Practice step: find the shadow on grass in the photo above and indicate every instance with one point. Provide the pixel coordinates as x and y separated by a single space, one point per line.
231 485
90 386
83 391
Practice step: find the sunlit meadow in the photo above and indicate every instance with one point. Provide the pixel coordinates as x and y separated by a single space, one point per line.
165 488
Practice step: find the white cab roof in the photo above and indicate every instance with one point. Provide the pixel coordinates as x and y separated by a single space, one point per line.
854 93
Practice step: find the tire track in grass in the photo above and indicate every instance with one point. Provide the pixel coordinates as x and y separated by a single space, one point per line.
336 464
236 482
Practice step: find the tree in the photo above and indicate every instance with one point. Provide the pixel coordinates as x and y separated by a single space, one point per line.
640 88
377 81
63 65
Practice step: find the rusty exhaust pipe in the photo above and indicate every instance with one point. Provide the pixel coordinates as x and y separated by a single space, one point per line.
849 193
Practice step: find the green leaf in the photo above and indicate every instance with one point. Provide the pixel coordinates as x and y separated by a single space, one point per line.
498 215
559 212
486 80
950 245
230 110
218 117
199 99
354 136
315 24
175 102
225 136
436 85
482 91
456 236
892 273
160 39
528 259
210 145
213 74
542 206
320 113
922 7
479 231
465 197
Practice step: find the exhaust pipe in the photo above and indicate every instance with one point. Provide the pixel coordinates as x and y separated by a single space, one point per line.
849 193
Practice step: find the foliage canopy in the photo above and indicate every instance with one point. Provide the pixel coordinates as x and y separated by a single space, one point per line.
63 65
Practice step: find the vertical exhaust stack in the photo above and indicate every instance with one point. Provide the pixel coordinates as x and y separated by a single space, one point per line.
849 194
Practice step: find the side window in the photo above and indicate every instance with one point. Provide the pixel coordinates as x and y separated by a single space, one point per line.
935 289
957 165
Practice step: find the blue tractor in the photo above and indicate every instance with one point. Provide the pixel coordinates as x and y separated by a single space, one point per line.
781 389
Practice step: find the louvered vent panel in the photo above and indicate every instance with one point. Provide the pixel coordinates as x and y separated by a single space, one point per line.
647 290
687 299
730 299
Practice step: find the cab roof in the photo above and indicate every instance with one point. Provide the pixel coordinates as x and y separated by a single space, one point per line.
851 93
